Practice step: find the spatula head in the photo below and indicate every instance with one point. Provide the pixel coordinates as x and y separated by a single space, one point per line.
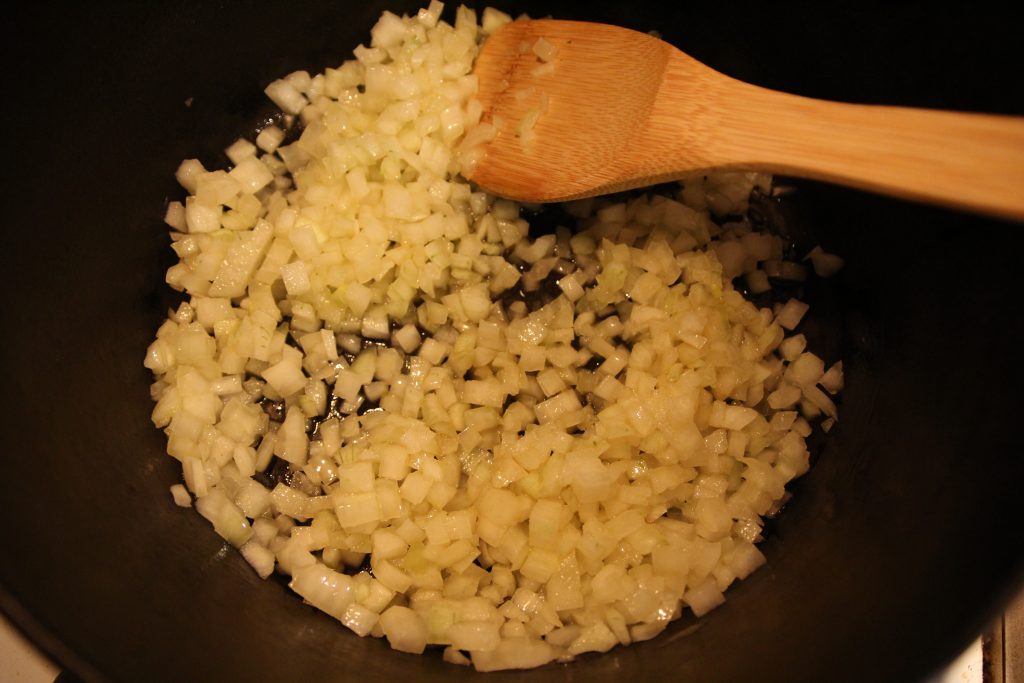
564 126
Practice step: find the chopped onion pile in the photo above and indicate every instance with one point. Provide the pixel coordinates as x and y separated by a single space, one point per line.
521 448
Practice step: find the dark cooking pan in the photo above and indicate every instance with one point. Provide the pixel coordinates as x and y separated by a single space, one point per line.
894 552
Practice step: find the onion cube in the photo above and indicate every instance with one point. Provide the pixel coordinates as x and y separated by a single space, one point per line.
475 636
355 509
404 629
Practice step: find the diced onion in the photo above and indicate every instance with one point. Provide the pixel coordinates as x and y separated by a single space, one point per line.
519 447
404 629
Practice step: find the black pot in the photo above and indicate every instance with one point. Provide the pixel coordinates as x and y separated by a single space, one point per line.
895 551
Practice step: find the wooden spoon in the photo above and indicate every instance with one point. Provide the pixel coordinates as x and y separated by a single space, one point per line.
616 109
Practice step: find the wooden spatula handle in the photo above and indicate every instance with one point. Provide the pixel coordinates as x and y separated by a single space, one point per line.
972 161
